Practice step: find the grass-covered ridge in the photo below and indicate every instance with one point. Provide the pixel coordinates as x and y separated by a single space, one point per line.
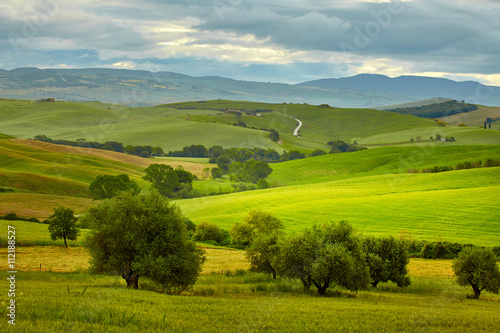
173 126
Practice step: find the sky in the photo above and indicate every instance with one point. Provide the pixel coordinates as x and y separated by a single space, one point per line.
287 41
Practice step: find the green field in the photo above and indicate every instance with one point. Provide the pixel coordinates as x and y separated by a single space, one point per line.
175 126
79 302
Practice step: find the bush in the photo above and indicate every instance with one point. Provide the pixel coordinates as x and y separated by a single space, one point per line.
208 232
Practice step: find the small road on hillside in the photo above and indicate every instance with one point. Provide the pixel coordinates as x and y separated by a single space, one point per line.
296 132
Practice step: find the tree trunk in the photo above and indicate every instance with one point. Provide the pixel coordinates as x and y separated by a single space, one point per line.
131 278
477 291
306 283
322 288
274 275
65 242
374 284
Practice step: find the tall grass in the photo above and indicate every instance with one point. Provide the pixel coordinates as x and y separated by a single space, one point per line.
80 302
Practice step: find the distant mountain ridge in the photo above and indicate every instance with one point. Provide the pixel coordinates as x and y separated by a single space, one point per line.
419 87
139 87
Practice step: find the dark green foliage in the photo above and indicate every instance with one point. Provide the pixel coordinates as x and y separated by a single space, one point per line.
62 225
478 268
322 256
318 152
10 217
261 230
169 182
163 178
206 231
441 250
143 151
191 151
242 187
251 171
143 236
215 151
262 184
387 259
216 173
488 163
292 155
339 146
223 163
107 186
190 226
274 135
437 110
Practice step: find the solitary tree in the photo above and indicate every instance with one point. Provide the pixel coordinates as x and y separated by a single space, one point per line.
143 236
387 259
478 268
107 186
62 225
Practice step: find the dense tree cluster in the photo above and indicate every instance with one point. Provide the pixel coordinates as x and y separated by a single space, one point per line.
108 186
170 182
437 110
325 255
339 146
142 151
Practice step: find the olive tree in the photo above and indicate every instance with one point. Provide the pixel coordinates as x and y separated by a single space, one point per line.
478 268
261 230
387 259
62 225
325 255
143 236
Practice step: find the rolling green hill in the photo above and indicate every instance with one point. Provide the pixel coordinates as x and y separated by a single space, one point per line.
373 190
177 125
459 206
476 118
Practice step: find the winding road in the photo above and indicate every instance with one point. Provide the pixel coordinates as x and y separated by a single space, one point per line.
296 132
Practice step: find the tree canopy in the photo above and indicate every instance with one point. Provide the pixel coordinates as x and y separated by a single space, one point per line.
387 259
478 268
62 225
107 186
330 254
168 181
143 236
261 230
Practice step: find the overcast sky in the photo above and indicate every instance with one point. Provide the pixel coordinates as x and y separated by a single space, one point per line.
287 41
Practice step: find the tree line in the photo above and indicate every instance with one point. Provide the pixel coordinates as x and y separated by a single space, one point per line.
142 151
488 163
437 110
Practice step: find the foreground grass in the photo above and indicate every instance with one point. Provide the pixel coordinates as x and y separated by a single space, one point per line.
79 302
